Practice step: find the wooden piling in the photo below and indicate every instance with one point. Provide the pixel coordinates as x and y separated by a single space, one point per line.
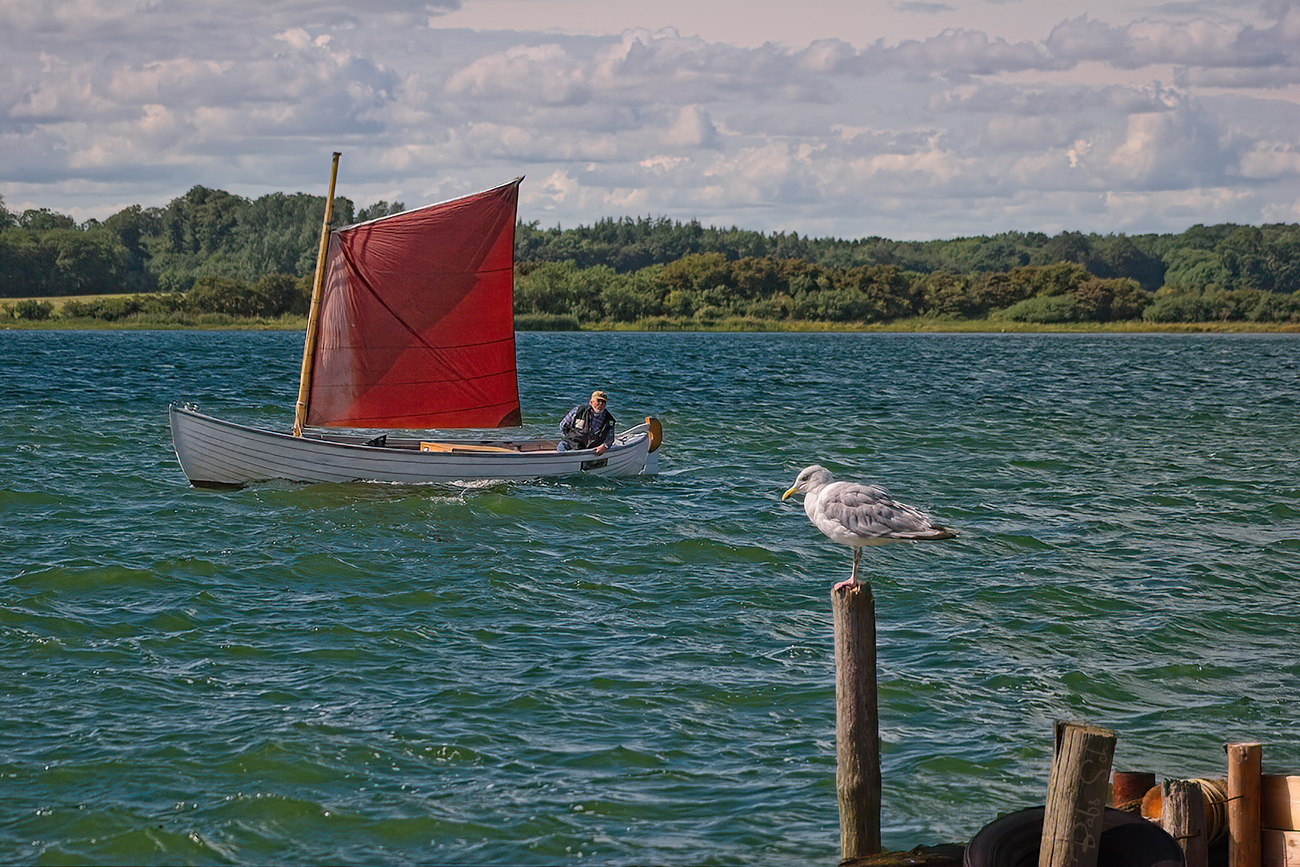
1182 814
1076 796
1243 804
857 722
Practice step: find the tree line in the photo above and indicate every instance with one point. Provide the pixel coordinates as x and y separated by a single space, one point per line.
211 252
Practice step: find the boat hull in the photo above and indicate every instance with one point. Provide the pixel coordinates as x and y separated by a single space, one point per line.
213 452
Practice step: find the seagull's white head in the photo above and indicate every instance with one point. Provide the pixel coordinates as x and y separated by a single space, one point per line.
808 480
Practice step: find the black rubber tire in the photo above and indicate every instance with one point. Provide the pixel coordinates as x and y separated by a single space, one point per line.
1127 840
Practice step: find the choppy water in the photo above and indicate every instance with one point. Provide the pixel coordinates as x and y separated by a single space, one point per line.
635 671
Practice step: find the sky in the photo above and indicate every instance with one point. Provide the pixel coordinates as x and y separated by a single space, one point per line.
905 119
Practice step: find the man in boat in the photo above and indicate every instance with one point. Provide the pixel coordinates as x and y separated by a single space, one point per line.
588 425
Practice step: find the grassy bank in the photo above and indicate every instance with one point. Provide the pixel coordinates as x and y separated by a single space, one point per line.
193 322
939 325
142 322
221 321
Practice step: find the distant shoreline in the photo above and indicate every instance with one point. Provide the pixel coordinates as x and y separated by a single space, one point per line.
530 322
902 326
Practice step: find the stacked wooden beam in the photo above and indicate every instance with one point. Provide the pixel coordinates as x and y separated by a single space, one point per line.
1279 818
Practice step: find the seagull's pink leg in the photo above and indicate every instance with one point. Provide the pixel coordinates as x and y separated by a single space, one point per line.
853 577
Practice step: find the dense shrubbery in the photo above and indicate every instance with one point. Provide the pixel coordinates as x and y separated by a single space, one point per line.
31 310
546 322
708 288
210 253
710 291
273 296
1217 305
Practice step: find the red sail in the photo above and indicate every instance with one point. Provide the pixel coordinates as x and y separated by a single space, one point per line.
416 321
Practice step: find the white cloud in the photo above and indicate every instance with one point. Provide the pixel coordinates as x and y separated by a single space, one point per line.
1199 43
1271 161
693 128
1094 125
542 74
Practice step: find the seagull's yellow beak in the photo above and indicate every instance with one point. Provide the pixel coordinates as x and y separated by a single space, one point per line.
787 494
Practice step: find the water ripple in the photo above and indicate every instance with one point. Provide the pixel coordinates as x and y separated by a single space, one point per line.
634 671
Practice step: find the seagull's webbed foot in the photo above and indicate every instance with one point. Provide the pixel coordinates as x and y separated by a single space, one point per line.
848 583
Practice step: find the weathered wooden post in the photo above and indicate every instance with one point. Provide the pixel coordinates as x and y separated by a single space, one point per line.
1243 804
1182 814
857 721
1076 796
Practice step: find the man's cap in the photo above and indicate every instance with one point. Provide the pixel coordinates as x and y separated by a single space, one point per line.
601 395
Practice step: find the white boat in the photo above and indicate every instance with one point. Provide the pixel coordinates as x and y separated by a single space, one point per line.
219 453
410 334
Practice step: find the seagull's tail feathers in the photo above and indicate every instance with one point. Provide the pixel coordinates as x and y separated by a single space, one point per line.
933 534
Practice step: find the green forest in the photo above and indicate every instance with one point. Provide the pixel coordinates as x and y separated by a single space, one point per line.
209 252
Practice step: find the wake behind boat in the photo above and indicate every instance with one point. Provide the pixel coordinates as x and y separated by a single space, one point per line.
411 328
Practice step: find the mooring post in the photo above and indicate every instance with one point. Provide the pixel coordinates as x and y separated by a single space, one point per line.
1076 796
1182 814
1243 804
857 721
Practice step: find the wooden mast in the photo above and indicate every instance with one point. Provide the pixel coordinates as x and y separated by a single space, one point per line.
313 315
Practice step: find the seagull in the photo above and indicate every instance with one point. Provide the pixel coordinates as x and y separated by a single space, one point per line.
858 515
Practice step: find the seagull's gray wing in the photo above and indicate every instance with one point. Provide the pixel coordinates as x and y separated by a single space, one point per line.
869 513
